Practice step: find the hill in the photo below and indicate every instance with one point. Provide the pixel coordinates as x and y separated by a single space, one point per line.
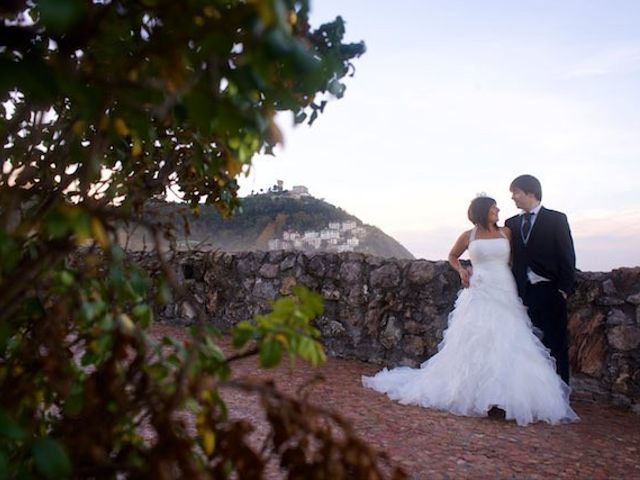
273 220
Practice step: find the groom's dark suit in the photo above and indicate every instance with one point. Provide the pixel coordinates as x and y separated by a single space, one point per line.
549 253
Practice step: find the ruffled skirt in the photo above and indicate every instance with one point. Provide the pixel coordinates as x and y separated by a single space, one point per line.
489 356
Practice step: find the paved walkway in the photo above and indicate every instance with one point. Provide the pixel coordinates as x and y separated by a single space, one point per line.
430 444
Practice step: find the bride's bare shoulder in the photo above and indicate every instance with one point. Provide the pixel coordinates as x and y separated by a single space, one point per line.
461 243
507 231
466 235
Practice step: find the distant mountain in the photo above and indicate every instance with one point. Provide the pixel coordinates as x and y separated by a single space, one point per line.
272 220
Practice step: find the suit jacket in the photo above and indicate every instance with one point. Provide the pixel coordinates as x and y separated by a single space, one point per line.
549 251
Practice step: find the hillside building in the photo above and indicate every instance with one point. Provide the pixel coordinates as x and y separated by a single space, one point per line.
298 191
328 234
350 225
337 237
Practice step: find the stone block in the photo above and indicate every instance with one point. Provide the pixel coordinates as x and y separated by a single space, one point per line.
334 329
287 285
385 277
624 338
288 263
269 270
275 256
609 301
247 267
421 272
609 288
635 299
414 345
351 272
618 317
264 290
391 334
414 328
316 266
187 311
330 293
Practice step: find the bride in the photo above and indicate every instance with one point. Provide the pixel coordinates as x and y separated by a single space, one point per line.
489 356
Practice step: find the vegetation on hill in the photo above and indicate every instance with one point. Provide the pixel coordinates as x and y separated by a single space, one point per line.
263 217
256 211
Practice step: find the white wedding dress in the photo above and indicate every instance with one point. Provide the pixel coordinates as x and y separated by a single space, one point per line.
489 355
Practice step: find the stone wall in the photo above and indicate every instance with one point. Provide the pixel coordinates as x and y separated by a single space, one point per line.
393 312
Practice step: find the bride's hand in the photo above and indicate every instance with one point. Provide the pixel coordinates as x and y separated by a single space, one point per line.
464 277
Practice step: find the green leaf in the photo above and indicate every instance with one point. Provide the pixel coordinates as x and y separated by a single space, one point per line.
50 458
60 15
28 75
89 358
116 275
213 350
143 314
117 253
107 323
90 310
103 343
9 255
4 464
139 283
57 224
305 348
66 278
9 428
201 108
75 401
81 225
270 353
242 333
318 356
164 292
157 371
5 333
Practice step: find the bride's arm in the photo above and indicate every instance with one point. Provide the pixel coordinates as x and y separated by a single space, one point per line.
454 257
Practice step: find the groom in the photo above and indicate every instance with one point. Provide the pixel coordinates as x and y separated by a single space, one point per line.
543 265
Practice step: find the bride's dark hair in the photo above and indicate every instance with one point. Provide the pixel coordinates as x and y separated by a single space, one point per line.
478 211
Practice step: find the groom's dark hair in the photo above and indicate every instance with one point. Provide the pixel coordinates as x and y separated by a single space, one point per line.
528 184
478 211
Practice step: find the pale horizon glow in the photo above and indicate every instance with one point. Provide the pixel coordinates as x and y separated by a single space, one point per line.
457 98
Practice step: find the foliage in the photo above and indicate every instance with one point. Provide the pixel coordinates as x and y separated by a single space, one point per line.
105 106
272 212
244 227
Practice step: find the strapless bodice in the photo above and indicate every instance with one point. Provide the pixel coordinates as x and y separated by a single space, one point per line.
489 252
490 261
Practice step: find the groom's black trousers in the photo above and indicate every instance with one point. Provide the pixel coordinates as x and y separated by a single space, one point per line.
548 312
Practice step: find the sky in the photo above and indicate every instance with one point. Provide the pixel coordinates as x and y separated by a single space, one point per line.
455 98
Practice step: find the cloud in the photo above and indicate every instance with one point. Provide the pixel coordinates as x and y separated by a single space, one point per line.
619 60
623 223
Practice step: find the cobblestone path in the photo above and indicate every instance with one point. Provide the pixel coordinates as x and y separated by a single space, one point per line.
431 444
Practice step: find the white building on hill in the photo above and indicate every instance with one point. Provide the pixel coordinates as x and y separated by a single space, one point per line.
350 225
337 237
298 191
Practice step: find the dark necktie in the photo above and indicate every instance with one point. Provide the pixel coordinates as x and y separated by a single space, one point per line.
526 225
